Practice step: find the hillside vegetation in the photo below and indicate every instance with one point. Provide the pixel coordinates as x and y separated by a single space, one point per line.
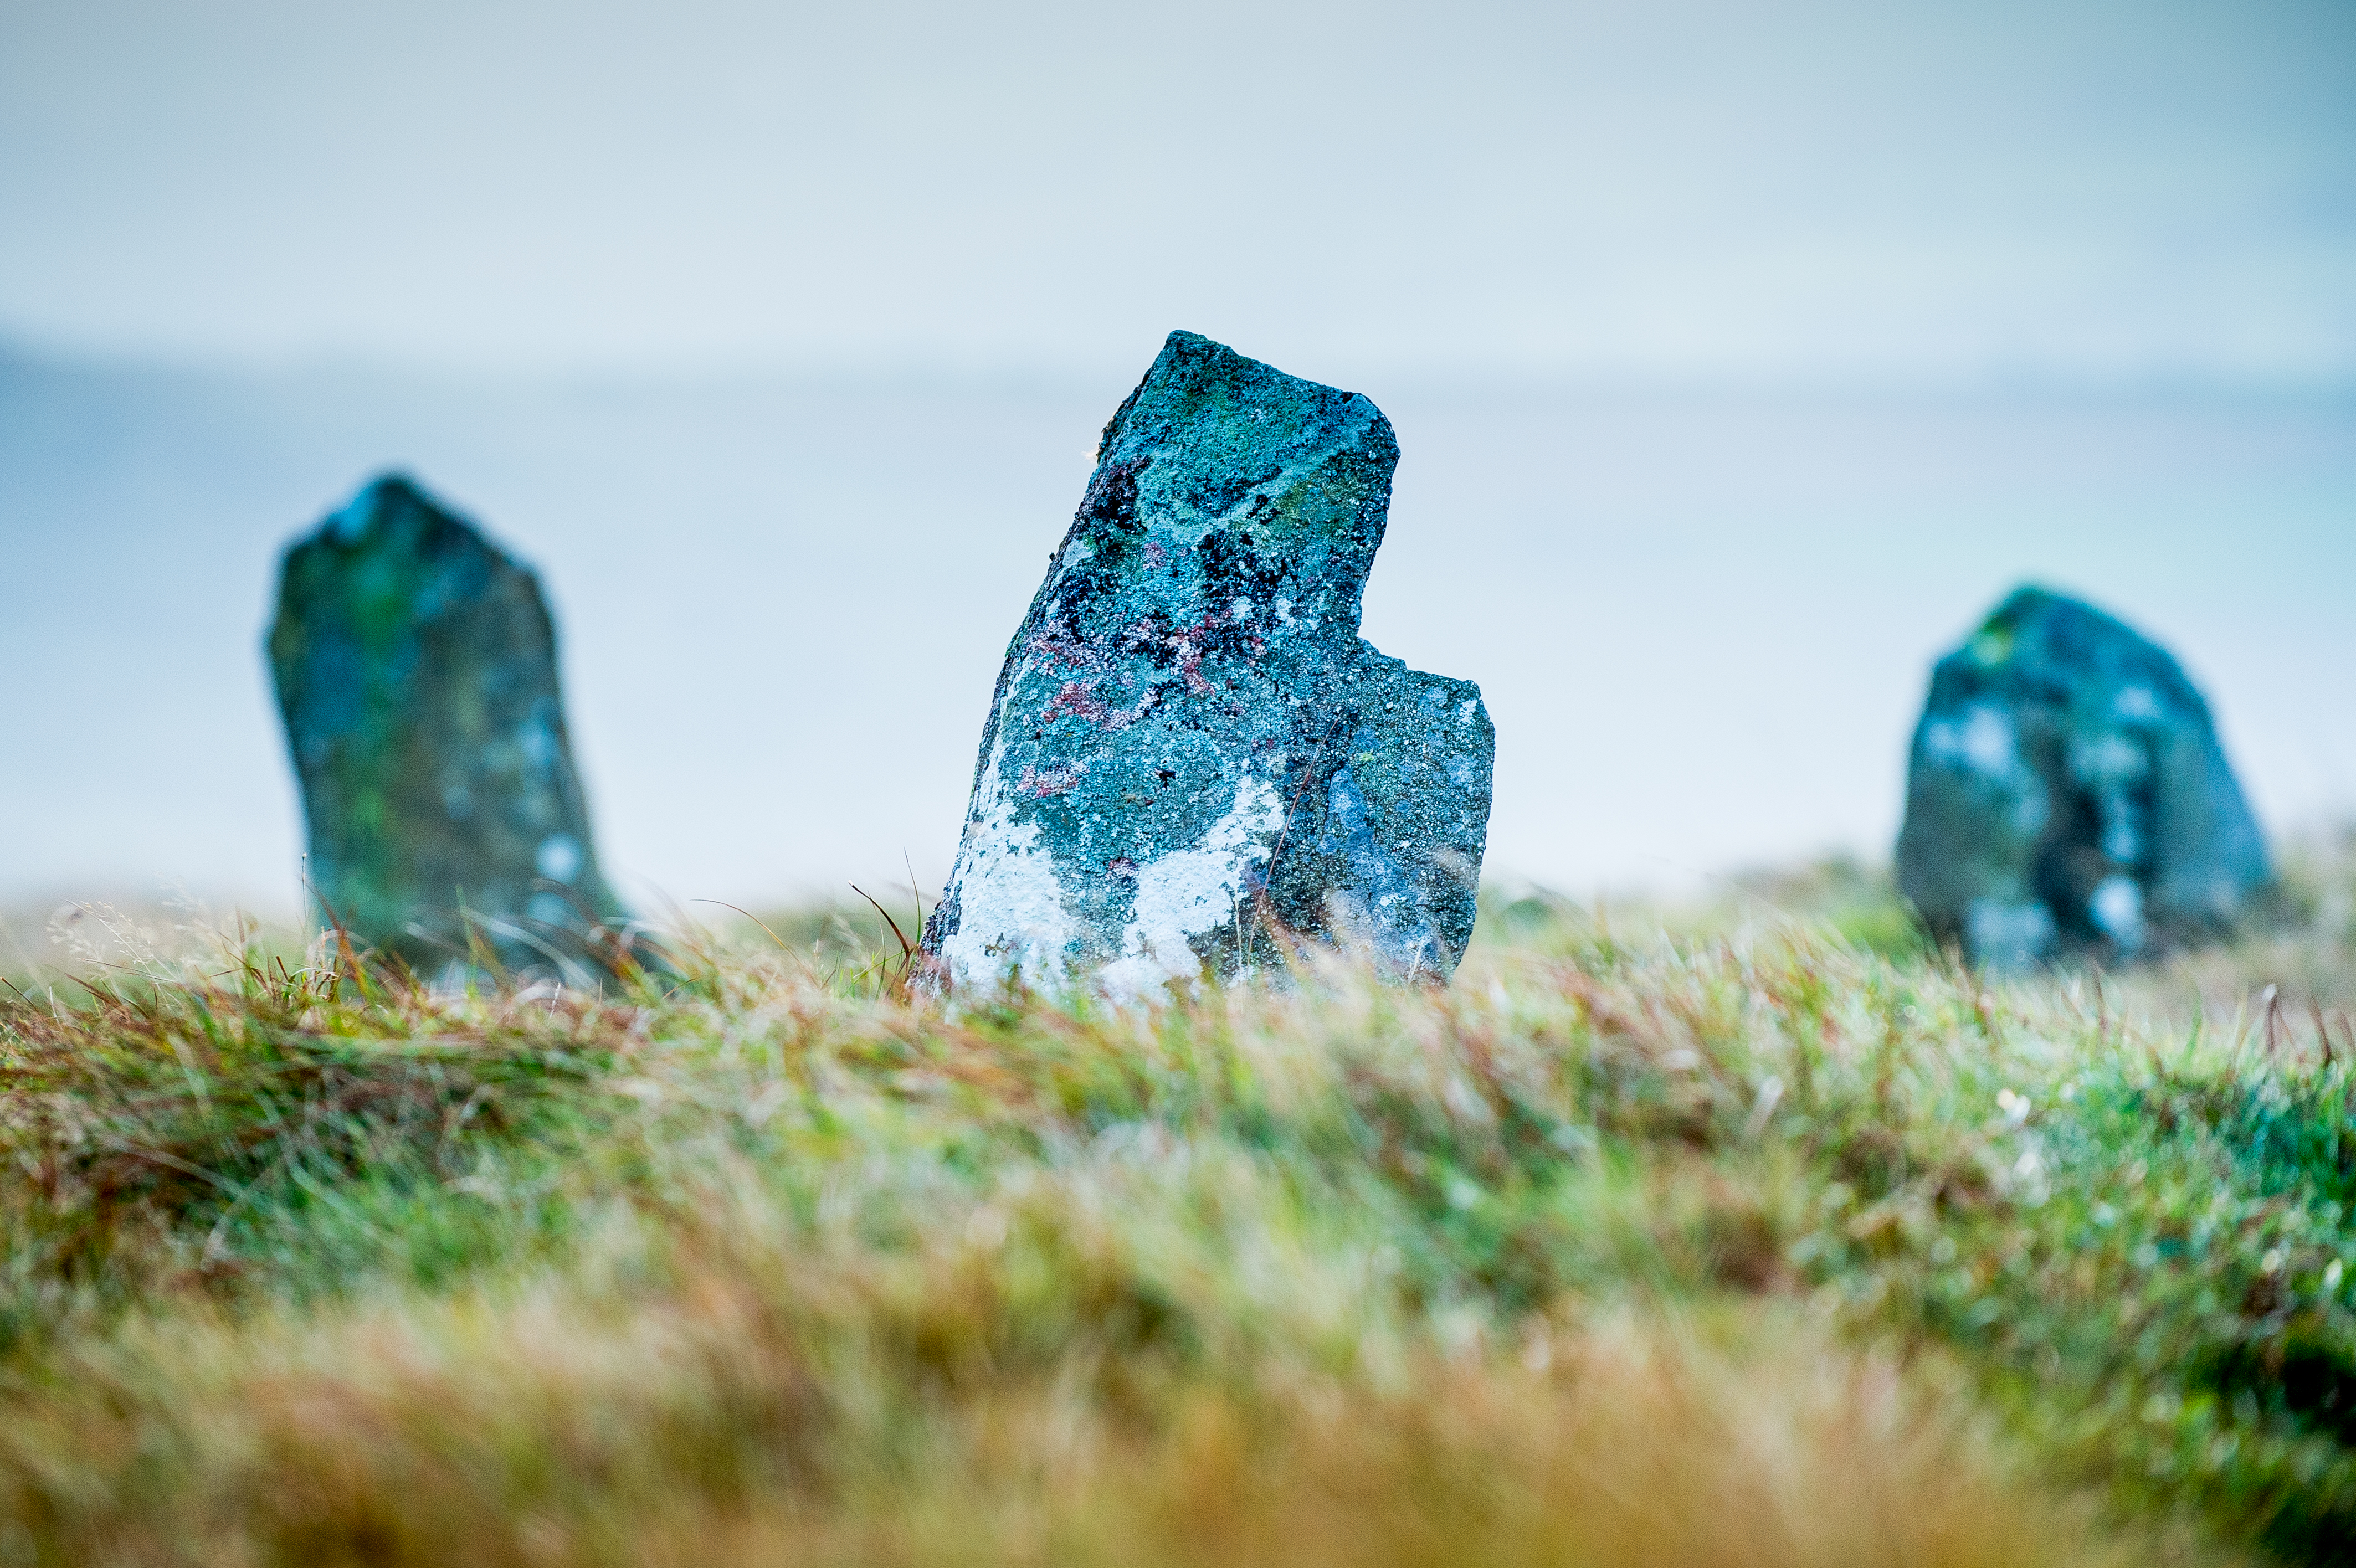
1761 1239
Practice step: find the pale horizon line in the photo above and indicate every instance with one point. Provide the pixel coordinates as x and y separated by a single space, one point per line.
889 369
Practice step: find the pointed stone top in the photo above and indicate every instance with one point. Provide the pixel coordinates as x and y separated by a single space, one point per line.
393 510
2044 636
1198 389
374 506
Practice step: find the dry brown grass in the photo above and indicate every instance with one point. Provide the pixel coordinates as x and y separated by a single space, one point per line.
728 1400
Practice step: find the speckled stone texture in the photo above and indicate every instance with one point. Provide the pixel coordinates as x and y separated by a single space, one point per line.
2067 796
1193 760
416 672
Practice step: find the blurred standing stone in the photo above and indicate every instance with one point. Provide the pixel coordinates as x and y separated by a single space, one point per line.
2067 794
1191 757
416 672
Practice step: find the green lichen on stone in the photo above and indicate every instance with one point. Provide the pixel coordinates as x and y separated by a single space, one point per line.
1191 760
415 666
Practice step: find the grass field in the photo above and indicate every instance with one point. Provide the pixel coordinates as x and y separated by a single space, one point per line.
1751 1234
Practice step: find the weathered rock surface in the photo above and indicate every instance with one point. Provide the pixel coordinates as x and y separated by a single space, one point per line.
1193 759
416 672
2067 794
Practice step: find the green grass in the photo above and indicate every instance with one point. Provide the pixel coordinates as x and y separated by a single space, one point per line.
1753 1234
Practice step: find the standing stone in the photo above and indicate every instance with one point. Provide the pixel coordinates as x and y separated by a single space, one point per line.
2067 795
1192 759
416 672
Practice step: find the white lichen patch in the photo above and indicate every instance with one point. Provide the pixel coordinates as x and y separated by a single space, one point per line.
1189 892
558 857
2116 905
1983 741
2107 759
2009 934
1009 900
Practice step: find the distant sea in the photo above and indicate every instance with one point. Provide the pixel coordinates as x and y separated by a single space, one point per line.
1703 618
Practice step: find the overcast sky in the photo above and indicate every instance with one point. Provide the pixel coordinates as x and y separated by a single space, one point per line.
1741 356
1842 188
